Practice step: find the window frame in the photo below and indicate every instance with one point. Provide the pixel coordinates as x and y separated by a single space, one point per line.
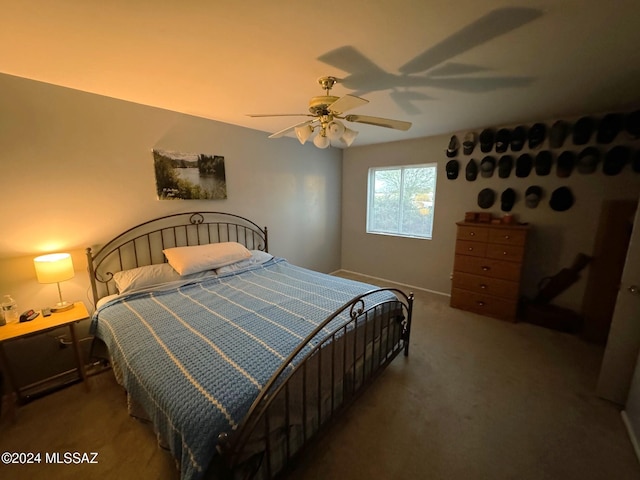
371 199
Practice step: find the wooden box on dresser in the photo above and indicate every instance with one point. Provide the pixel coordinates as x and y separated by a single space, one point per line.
487 268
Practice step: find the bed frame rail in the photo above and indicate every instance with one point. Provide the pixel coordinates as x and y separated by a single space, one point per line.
291 410
143 244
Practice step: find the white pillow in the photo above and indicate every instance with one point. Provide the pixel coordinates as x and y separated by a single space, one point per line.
257 257
186 260
142 277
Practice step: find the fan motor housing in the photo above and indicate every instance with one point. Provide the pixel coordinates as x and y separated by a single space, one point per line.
320 105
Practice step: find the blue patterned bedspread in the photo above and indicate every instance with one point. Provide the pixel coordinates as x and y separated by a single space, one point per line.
196 356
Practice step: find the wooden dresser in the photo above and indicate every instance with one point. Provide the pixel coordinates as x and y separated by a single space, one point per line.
487 267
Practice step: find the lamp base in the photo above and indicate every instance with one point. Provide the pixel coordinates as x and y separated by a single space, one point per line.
62 307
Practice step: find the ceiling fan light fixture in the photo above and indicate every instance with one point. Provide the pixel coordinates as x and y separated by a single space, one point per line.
348 136
335 130
321 140
303 133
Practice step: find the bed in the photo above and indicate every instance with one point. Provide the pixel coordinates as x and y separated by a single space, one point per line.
238 358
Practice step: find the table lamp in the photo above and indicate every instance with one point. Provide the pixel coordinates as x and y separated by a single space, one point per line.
55 268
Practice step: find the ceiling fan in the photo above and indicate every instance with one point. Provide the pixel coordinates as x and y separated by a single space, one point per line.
327 111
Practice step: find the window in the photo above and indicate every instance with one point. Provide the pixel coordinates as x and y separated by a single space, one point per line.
401 200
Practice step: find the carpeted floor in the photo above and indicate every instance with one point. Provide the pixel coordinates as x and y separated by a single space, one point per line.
477 398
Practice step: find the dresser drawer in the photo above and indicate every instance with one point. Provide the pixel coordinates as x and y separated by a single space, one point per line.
477 249
484 304
512 253
486 285
506 236
473 233
487 267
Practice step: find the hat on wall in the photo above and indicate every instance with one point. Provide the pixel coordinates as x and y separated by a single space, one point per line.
503 138
452 169
532 196
471 170
469 143
615 160
582 131
561 199
558 134
543 162
505 164
486 140
537 134
588 160
524 165
635 162
486 198
565 164
507 199
487 165
632 124
452 150
609 128
518 137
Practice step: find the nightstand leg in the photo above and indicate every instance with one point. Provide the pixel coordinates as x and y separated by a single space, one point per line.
76 348
13 386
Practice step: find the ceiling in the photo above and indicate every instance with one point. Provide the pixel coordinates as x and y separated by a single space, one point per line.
445 66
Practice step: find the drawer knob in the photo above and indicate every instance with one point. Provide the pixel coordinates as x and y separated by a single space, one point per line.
471 249
507 237
504 253
472 234
480 304
483 286
485 269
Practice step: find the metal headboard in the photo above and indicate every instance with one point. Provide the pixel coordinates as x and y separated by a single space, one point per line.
143 244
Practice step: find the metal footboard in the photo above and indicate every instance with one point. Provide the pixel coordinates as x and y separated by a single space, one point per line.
315 383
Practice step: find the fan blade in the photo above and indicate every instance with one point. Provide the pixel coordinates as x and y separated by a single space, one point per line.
279 115
346 103
290 129
379 122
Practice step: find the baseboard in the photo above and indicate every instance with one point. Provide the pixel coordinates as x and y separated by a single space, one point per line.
412 287
632 434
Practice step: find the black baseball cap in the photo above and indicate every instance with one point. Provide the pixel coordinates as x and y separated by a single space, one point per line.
503 138
609 128
453 166
471 170
543 162
635 162
582 130
518 137
505 164
537 134
565 164
469 143
588 160
487 137
452 150
524 165
507 199
632 124
615 160
486 198
561 199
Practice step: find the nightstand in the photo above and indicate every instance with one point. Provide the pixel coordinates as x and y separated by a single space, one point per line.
41 324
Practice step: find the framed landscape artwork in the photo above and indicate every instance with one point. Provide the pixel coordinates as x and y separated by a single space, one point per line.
189 176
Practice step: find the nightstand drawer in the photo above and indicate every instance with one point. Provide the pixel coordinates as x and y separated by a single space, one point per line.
475 249
507 236
484 304
487 267
473 233
485 285
512 253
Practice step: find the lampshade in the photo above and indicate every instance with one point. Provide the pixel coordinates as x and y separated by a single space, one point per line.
321 140
54 268
349 136
335 129
303 133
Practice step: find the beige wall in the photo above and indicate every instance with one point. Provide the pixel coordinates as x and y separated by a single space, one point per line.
77 169
555 240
